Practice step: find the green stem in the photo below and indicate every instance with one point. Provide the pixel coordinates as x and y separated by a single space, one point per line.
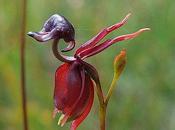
112 87
104 101
103 107
22 59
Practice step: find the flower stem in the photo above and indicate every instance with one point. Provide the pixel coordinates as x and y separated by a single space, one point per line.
102 117
22 60
103 106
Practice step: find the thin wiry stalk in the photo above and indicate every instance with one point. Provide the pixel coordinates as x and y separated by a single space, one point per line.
22 60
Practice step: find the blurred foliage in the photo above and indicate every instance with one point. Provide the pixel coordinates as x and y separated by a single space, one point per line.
145 98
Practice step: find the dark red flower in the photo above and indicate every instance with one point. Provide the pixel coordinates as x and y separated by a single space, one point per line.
74 89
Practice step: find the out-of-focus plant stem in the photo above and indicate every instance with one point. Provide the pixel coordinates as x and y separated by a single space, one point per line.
22 60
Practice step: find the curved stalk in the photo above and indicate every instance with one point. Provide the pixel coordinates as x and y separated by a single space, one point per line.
58 54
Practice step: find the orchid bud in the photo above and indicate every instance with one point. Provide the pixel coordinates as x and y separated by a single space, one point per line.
120 62
119 65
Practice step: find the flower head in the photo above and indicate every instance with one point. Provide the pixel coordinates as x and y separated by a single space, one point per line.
56 27
74 89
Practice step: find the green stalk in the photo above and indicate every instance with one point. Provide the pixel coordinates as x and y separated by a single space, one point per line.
111 88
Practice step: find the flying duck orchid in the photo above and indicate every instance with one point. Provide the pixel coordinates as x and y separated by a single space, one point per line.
75 79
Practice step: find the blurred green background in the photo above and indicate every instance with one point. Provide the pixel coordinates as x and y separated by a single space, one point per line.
145 97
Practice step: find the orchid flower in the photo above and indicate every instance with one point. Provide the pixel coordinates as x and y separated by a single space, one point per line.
75 79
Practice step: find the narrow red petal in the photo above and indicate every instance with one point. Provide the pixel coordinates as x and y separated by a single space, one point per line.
77 121
107 43
92 42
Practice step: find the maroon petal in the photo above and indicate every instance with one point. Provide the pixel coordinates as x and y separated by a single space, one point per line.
94 75
76 109
82 102
78 120
92 42
72 90
107 43
67 85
